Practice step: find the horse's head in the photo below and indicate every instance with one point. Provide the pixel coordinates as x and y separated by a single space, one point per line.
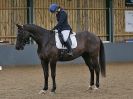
22 37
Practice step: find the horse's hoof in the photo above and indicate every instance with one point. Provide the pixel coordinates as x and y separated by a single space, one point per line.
90 87
42 92
52 93
96 88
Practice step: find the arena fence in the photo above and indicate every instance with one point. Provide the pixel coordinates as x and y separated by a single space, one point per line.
94 18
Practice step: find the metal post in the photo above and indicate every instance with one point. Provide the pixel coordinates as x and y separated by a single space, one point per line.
30 14
29 11
107 20
111 36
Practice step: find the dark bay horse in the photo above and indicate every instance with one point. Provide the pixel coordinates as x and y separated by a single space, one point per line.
90 47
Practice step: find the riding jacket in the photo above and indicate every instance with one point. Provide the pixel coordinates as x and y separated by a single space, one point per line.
62 20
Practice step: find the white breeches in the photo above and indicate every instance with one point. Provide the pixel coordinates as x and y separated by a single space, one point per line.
65 34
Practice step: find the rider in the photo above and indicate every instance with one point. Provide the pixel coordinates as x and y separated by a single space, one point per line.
63 27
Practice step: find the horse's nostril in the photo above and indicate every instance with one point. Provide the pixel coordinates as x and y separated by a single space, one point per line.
22 48
17 48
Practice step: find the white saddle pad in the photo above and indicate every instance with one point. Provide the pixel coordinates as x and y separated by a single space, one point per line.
72 37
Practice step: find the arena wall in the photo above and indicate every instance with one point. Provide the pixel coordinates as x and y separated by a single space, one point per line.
93 15
115 52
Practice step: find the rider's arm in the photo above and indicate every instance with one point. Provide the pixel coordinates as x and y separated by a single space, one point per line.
62 18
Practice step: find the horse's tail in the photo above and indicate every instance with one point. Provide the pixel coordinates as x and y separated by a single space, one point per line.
102 59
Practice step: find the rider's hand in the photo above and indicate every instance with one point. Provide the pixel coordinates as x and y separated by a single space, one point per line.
56 31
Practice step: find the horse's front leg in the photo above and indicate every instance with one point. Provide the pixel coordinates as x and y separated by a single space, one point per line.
53 74
46 74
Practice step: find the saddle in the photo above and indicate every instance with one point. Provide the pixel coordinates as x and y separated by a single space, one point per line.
71 39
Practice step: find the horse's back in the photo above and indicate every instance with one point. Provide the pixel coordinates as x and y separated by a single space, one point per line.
89 36
88 40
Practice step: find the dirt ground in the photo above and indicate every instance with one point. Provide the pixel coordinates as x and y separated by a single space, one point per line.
24 82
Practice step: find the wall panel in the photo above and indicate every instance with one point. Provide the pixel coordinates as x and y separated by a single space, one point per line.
82 15
11 12
119 9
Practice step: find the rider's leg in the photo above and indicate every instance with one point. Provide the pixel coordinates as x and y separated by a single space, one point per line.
68 45
66 34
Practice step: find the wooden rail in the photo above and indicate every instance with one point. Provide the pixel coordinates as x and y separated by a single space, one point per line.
82 14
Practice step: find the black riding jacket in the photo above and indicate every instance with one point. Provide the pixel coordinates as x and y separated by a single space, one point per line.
61 17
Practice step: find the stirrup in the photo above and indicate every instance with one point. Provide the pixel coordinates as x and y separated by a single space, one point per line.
70 53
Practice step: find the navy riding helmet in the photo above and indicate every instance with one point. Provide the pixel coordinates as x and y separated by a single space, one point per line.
53 7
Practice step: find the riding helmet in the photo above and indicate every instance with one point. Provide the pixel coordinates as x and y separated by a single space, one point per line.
53 7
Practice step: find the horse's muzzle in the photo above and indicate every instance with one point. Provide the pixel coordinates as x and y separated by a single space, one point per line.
19 48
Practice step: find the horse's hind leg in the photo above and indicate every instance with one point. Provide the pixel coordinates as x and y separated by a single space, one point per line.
97 70
91 68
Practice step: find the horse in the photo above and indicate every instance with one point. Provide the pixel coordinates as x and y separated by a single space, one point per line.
89 46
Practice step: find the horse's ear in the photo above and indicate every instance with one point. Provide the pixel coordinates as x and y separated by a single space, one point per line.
19 26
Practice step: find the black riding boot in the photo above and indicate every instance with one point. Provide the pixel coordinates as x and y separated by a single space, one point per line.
68 45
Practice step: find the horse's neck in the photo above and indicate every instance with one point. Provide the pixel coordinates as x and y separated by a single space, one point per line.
41 36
